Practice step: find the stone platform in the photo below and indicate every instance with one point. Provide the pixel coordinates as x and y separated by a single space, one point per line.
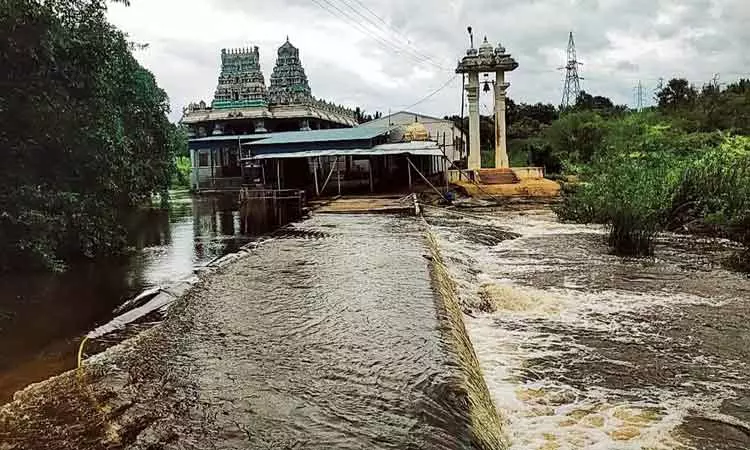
498 176
525 188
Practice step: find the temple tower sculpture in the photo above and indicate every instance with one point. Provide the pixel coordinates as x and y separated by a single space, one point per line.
288 81
476 62
289 85
241 81
241 84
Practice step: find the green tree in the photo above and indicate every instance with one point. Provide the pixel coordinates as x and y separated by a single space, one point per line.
83 132
678 93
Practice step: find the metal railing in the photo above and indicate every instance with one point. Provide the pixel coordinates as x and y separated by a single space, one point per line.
220 183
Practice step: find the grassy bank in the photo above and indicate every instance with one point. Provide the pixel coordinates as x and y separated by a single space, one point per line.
649 176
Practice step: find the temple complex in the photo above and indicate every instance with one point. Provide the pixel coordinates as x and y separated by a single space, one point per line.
243 105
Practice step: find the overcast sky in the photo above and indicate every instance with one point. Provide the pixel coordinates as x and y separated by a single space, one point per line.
408 48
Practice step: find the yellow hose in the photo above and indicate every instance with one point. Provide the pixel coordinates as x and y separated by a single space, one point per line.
81 378
80 352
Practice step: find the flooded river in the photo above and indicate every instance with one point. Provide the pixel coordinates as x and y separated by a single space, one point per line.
588 350
44 316
327 335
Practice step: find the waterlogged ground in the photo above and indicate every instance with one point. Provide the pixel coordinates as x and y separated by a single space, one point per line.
590 351
325 337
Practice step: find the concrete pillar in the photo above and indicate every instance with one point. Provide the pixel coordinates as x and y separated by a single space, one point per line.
475 157
194 172
501 148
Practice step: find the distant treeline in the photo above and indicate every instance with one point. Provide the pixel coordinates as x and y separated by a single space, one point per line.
84 133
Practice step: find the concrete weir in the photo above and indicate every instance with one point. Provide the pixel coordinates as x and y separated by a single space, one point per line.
485 423
340 332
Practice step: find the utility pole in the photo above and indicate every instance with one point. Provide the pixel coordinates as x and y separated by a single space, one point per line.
572 86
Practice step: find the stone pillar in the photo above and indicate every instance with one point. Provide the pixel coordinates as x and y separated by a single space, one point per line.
475 157
501 148
304 125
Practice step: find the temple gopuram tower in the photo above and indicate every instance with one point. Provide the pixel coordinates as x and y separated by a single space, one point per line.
241 81
289 85
244 105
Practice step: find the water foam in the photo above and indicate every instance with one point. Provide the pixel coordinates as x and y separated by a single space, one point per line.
569 321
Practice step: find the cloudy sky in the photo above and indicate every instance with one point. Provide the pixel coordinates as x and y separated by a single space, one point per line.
390 54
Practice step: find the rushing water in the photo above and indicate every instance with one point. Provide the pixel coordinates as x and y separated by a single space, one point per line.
588 350
329 339
44 316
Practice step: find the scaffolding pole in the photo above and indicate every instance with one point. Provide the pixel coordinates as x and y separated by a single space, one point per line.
424 178
329 177
315 175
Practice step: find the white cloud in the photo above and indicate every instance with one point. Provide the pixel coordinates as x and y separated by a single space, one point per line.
620 41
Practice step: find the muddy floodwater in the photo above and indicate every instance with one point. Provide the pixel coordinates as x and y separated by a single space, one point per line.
588 350
44 316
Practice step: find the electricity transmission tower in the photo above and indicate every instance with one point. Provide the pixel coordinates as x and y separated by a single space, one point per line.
572 80
640 100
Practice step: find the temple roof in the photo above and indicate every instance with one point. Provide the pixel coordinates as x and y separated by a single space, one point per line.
241 92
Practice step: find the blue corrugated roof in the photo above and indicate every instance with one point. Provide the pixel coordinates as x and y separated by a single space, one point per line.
232 137
336 134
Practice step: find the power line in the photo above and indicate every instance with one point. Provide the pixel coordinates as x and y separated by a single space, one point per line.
433 93
398 43
420 101
388 45
395 30
572 87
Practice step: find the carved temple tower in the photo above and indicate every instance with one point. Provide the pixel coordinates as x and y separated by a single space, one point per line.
241 81
289 83
242 104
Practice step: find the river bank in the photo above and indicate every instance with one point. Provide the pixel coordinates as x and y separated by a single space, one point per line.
331 337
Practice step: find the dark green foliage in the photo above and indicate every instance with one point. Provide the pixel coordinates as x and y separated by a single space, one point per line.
575 138
598 104
716 190
362 117
83 132
708 109
629 191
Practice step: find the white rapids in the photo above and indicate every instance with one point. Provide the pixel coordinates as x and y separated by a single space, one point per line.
588 350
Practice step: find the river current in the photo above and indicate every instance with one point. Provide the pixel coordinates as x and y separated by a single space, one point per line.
589 350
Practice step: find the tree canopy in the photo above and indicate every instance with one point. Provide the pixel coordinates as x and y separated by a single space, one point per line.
84 132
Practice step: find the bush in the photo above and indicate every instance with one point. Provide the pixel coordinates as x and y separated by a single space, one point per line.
576 138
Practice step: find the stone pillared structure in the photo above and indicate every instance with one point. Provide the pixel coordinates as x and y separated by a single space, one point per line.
243 104
483 60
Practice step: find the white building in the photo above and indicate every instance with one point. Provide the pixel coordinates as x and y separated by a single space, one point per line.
437 128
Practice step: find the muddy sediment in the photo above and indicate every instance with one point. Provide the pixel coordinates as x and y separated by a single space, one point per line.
328 337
